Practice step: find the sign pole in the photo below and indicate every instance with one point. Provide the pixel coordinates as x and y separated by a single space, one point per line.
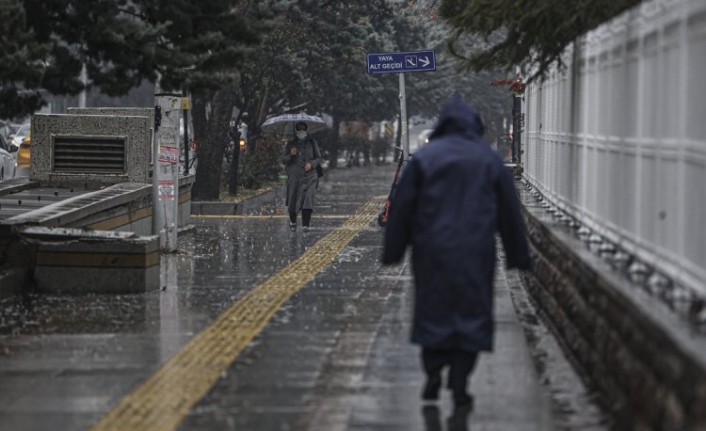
403 119
401 63
157 212
166 169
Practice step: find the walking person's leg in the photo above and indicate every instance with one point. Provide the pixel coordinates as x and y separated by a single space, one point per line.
307 199
292 221
433 362
296 203
462 364
292 201
306 218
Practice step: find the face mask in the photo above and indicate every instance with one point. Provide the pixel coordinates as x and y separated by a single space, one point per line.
301 134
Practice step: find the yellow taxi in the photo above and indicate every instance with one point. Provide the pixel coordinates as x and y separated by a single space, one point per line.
23 152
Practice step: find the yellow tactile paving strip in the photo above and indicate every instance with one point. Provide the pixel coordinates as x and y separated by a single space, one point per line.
163 400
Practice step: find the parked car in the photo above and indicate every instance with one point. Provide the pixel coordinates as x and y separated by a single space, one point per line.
23 152
20 134
7 161
6 130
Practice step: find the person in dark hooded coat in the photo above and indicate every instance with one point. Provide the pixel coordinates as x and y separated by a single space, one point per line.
454 195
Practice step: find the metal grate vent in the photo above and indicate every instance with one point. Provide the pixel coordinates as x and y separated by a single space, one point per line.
89 154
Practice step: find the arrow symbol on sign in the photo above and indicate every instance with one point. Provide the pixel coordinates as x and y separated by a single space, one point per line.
425 61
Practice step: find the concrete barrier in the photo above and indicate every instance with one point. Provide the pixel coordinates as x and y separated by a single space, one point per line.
213 208
125 208
273 197
75 225
79 261
644 356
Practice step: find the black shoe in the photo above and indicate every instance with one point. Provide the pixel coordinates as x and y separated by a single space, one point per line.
458 421
306 228
463 400
431 389
432 419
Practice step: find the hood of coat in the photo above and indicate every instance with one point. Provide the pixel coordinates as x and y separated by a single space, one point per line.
458 118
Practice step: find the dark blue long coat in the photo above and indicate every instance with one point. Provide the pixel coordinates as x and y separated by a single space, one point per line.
454 195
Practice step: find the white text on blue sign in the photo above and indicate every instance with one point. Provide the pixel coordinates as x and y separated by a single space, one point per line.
418 61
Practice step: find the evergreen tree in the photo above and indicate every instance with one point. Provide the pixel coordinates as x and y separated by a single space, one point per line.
528 33
21 55
189 44
242 79
341 33
430 92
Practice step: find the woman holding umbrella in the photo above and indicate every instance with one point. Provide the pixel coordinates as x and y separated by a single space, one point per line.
301 157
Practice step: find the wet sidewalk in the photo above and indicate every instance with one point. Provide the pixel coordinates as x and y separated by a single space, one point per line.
259 328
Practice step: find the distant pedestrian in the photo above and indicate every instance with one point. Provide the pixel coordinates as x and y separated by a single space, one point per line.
301 157
453 196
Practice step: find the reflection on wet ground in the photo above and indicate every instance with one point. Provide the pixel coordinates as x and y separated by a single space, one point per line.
334 356
457 421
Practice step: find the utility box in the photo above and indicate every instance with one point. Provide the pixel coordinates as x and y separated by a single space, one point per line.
91 149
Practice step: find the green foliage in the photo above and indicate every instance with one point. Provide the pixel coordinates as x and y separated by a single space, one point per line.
189 44
328 143
344 32
355 147
380 147
20 62
261 163
427 92
528 33
263 57
314 61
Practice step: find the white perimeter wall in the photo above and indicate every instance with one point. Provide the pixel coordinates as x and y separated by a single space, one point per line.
618 139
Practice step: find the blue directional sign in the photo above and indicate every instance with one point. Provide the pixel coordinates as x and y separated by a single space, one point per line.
401 62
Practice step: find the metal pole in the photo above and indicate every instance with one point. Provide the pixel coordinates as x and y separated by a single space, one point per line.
403 119
234 162
517 126
520 127
157 212
166 169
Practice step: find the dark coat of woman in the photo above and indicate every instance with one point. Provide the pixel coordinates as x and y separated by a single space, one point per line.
453 196
301 185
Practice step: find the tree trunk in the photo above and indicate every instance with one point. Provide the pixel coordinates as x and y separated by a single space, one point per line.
336 144
211 133
262 109
234 161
